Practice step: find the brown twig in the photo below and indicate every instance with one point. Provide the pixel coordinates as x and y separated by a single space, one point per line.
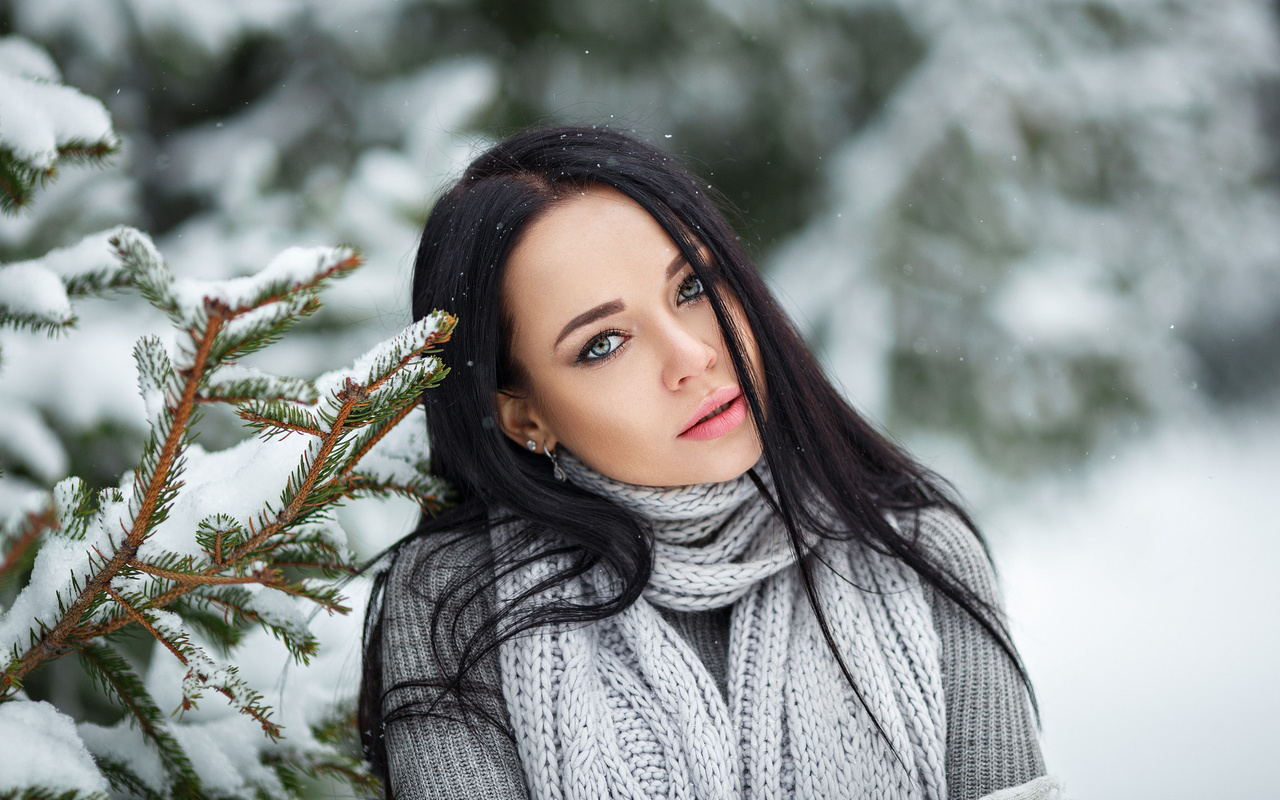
351 395
373 440
137 617
37 523
200 579
53 642
251 416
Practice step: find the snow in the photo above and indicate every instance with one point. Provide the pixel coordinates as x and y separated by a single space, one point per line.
93 253
59 561
27 440
294 266
280 610
1145 604
97 354
29 289
225 755
239 481
18 497
124 743
36 116
41 749
21 57
378 361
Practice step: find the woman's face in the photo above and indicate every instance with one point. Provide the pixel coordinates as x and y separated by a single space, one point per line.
624 363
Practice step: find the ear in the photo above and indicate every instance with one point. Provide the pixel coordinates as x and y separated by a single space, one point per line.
519 419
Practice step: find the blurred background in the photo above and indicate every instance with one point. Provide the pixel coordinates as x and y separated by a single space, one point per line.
1038 242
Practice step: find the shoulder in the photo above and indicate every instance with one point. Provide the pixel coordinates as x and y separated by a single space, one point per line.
436 596
426 565
435 583
956 548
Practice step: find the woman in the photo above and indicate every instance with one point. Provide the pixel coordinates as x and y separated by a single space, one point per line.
679 564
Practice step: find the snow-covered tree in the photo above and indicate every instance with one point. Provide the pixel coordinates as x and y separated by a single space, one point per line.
218 558
1063 222
869 147
44 125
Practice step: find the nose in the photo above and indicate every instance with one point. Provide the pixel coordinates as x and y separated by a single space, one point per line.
687 353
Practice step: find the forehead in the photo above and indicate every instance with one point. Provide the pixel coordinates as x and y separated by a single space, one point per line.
591 248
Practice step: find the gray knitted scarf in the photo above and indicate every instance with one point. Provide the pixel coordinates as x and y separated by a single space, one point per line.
624 707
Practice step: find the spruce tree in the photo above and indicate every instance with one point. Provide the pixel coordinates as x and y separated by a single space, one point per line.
210 555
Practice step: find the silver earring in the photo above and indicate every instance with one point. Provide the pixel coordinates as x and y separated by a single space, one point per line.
532 445
556 469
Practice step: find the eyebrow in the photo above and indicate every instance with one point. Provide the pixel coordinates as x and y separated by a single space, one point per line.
610 308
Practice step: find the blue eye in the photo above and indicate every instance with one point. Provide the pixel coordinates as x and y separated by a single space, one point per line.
602 346
691 289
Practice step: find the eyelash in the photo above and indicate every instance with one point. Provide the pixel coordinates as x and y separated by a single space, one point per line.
584 355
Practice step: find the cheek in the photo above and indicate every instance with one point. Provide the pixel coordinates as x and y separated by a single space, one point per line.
610 410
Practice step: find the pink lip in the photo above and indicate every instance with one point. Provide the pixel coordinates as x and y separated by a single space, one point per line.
721 423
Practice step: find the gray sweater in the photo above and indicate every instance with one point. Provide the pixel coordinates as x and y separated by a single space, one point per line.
991 740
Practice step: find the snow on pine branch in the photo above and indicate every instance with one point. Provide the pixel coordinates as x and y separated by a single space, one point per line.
254 309
379 362
42 122
36 293
33 297
155 378
234 382
204 672
293 270
41 748
212 547
67 557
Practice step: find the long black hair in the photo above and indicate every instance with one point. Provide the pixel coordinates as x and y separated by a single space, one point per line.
822 455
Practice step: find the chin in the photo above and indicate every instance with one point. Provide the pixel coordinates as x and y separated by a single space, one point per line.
716 468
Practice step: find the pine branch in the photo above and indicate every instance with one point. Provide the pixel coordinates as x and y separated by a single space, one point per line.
200 579
263 417
53 642
96 282
79 151
137 617
225 680
40 793
114 675
349 397
124 780
375 436
34 525
234 583
18 180
36 323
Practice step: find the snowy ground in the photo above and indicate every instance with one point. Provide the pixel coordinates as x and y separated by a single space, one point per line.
1147 606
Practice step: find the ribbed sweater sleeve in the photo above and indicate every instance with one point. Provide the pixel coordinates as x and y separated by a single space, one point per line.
439 755
991 739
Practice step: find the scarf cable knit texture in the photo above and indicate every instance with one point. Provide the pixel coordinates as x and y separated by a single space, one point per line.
624 708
